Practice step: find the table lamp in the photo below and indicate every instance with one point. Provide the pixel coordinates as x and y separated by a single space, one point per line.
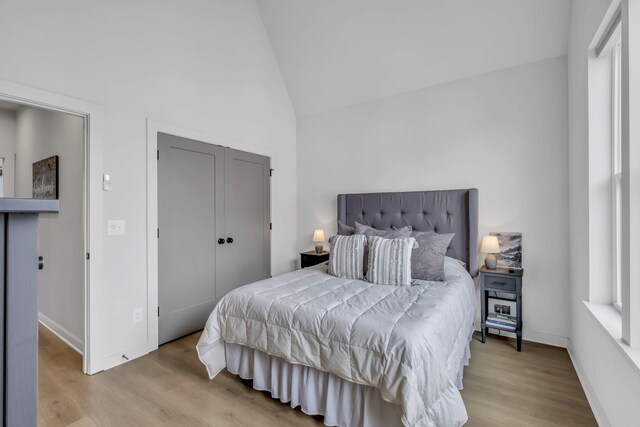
318 237
490 246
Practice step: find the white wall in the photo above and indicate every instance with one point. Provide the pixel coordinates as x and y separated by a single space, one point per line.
611 381
41 134
504 132
8 149
335 53
206 65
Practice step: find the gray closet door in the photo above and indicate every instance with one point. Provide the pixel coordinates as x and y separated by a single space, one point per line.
247 258
190 213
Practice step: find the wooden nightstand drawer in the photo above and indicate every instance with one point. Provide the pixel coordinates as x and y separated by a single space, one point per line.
500 283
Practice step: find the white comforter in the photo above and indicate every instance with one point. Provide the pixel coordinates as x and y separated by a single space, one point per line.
408 342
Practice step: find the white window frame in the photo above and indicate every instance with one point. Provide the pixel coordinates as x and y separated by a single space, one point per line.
601 202
609 49
616 171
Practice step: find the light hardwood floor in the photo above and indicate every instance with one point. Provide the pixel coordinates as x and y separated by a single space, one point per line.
537 387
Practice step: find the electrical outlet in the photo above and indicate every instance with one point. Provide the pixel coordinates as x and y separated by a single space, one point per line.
115 228
138 314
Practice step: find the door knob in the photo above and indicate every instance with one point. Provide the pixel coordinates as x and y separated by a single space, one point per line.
221 241
40 262
229 240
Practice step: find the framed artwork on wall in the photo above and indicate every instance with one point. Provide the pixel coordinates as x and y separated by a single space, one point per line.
510 255
45 178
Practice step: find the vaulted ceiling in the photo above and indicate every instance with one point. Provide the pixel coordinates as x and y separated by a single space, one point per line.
334 53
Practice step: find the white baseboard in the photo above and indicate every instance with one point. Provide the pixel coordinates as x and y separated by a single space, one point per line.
127 355
66 336
539 337
594 402
548 339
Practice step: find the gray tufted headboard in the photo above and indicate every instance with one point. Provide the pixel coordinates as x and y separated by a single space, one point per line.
447 211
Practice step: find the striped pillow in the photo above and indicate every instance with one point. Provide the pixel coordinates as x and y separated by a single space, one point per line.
390 260
346 259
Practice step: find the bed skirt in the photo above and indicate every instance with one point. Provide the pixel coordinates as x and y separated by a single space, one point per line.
342 403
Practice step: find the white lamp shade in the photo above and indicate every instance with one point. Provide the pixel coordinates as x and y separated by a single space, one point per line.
318 235
490 245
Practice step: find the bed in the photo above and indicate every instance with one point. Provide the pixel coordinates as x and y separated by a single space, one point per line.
351 351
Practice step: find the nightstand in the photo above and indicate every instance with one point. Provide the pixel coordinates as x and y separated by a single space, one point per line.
311 258
501 284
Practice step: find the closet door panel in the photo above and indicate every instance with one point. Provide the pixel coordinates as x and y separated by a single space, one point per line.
190 199
246 258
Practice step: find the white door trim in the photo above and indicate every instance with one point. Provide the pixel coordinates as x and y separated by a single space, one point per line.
93 357
153 128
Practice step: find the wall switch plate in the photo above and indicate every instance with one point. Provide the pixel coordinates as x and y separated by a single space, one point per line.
138 315
106 182
115 228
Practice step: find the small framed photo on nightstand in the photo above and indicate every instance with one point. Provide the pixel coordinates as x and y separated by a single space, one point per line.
498 306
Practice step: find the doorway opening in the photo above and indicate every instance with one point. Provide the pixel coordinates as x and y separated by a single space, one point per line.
42 154
50 147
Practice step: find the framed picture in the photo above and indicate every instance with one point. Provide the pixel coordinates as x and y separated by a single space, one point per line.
45 178
498 306
510 255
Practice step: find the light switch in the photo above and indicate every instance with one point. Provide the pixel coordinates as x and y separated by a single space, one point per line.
106 182
115 228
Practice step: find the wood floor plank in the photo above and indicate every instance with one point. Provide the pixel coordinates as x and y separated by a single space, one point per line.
83 422
169 387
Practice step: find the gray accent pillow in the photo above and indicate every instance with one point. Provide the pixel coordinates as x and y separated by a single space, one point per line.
390 260
345 230
427 261
387 234
346 259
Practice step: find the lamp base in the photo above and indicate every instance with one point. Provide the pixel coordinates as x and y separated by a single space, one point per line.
491 261
319 248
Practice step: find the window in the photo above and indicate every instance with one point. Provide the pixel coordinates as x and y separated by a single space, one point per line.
616 169
608 108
